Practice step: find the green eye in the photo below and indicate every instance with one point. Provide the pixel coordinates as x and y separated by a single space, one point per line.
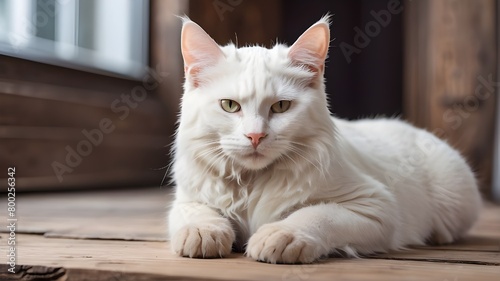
281 106
230 106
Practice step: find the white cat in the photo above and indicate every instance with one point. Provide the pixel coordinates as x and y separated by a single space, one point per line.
261 165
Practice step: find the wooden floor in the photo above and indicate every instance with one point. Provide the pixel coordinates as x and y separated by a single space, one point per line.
120 235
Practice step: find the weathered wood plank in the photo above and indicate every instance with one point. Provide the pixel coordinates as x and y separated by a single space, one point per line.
31 112
441 255
45 273
138 214
24 71
156 258
92 181
120 152
26 272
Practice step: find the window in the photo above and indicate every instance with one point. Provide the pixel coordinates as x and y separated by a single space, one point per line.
107 37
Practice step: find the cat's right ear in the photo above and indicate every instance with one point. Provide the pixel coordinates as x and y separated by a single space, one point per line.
199 50
311 49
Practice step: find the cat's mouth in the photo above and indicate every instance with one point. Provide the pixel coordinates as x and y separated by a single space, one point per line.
254 160
254 155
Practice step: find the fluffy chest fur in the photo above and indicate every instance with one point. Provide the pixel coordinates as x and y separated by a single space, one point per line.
253 199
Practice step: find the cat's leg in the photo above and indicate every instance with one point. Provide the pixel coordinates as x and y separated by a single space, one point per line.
316 231
197 230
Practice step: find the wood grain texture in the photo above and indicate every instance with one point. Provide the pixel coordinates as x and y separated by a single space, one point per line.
450 80
77 110
138 214
441 255
130 154
156 258
109 179
45 273
165 53
26 272
45 109
122 234
147 209
241 22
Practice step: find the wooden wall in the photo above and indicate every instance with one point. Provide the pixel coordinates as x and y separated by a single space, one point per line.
450 74
45 109
238 21
449 51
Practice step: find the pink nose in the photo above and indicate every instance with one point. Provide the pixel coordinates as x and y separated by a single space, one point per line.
255 138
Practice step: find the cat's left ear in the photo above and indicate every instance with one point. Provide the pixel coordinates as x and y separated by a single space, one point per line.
311 48
199 50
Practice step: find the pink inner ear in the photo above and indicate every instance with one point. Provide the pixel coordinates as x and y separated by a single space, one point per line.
310 60
199 50
311 48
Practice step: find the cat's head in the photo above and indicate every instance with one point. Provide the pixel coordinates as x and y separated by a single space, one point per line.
252 106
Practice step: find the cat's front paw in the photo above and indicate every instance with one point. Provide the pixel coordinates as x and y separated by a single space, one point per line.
279 243
204 240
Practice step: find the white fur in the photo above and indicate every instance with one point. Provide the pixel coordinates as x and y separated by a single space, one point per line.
320 184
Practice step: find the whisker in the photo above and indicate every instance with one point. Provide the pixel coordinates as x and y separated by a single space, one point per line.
296 150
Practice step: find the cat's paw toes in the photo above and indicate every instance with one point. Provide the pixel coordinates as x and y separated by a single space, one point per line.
275 243
203 241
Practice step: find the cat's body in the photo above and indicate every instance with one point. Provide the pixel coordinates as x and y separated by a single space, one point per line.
272 171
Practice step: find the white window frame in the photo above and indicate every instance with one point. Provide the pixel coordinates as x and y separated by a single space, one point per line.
19 40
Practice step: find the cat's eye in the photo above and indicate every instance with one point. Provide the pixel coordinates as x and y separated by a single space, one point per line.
230 106
281 106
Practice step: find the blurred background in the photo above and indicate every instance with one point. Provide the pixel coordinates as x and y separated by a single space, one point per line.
89 90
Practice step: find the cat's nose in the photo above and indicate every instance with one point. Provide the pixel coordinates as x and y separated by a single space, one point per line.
255 138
